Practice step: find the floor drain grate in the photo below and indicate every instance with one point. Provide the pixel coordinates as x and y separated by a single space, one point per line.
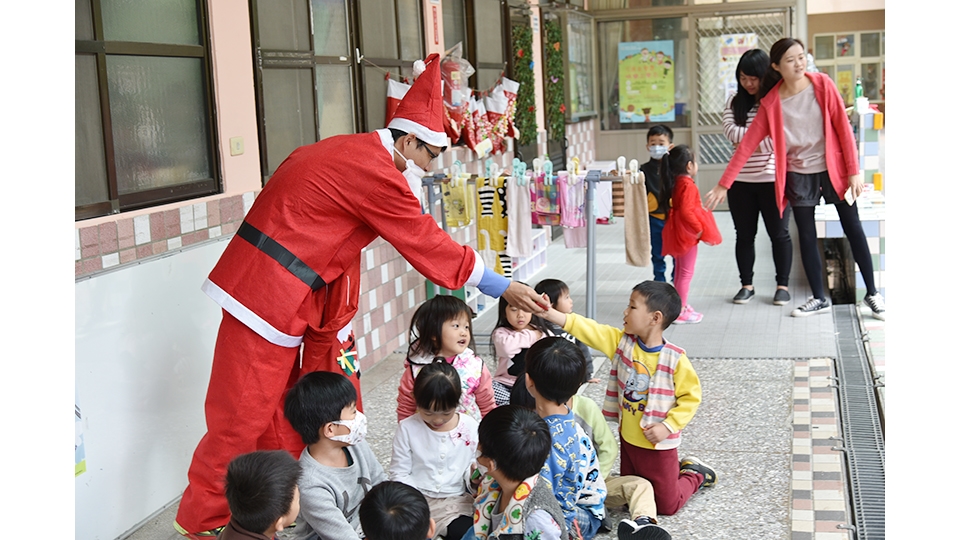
860 426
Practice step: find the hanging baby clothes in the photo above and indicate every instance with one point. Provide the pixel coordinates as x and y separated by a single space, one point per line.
519 223
636 223
546 207
603 202
492 225
572 198
455 203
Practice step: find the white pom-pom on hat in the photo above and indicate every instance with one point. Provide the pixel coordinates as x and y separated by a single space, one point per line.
418 68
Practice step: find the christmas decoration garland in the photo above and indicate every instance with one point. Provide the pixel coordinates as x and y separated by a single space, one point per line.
526 113
553 85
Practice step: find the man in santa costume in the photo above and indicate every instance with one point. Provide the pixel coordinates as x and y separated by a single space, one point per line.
291 276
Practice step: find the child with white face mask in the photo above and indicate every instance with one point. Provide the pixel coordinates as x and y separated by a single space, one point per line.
339 468
659 142
434 449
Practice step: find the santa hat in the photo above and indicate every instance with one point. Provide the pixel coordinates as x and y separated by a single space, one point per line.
421 110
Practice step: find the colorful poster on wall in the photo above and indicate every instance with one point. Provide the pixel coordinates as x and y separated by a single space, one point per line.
647 85
732 47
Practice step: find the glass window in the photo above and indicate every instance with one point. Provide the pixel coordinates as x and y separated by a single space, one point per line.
870 44
639 82
580 66
846 46
455 25
870 73
823 47
143 125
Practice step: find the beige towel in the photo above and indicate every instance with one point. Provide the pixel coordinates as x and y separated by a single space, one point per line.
636 223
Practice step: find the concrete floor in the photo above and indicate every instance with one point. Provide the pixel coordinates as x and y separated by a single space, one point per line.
745 357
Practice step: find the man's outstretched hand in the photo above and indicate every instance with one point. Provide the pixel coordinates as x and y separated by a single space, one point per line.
525 298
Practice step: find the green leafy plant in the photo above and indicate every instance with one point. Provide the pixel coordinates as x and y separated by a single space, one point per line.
553 85
525 118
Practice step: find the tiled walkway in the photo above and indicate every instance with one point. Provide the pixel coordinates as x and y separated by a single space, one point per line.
768 410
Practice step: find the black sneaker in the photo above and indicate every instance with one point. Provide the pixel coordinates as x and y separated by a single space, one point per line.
812 307
642 528
875 303
743 295
781 297
691 464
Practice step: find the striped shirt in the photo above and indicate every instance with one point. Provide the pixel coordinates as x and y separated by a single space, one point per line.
761 165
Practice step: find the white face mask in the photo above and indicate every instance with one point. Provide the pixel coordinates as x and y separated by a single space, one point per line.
358 430
482 469
414 175
657 151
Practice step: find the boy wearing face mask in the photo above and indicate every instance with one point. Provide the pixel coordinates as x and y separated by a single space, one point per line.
659 142
339 467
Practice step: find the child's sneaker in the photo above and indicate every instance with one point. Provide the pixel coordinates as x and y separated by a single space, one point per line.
812 307
642 528
691 464
875 303
688 316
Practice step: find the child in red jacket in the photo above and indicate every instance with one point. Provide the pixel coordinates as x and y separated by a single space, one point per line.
688 222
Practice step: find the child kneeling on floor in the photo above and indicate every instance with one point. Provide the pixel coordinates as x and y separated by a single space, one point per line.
396 511
652 389
339 467
513 500
262 494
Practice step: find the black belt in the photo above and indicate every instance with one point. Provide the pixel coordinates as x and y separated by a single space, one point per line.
280 254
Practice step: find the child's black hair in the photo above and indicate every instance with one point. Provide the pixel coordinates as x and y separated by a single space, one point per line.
672 165
437 387
535 321
394 511
660 129
519 395
317 399
556 367
554 289
260 487
662 297
753 63
426 326
517 439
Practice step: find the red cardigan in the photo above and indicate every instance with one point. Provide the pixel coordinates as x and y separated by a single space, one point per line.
843 159
686 219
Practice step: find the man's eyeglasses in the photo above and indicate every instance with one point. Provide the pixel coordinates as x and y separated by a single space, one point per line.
421 144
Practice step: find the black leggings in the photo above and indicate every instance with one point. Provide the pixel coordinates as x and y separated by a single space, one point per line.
747 202
810 252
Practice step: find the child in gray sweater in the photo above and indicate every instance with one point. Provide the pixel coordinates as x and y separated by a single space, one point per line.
339 467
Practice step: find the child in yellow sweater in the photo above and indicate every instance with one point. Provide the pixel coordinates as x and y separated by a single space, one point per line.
653 390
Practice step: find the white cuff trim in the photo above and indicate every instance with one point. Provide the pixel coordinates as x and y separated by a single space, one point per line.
477 273
249 318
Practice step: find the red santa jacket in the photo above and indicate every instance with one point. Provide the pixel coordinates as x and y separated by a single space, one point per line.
687 219
326 202
843 159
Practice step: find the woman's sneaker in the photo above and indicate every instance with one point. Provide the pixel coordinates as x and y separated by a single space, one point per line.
743 295
688 316
781 297
875 303
642 528
812 307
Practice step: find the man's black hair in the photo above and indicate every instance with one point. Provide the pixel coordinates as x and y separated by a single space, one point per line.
437 387
556 367
660 129
398 133
516 439
662 297
394 511
317 399
260 487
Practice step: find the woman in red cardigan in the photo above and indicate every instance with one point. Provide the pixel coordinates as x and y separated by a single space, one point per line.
804 116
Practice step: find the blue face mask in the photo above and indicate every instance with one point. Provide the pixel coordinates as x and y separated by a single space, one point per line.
657 151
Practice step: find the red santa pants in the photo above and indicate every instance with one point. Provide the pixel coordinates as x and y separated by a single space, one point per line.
244 412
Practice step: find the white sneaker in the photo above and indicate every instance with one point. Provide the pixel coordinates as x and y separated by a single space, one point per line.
875 303
812 307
